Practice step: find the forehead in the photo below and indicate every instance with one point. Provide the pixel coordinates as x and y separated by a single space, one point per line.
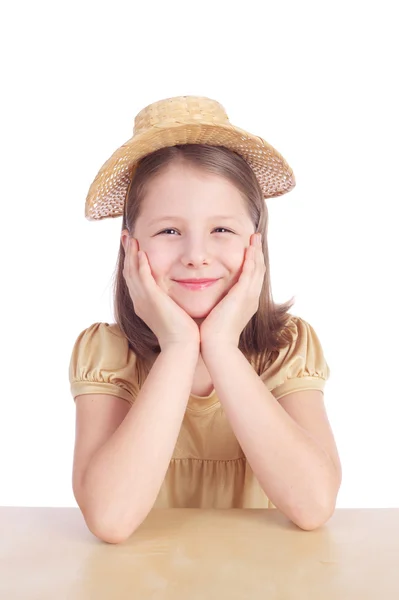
191 193
180 219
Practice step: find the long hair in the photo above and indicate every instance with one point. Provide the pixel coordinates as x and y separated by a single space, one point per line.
269 329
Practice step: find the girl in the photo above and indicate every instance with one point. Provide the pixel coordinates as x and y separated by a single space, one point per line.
204 392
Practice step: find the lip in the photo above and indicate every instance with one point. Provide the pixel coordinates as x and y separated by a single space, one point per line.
194 280
198 285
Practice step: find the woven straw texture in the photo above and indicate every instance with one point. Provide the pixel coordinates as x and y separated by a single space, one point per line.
183 120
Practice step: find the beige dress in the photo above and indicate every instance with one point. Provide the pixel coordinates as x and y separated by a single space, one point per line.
208 468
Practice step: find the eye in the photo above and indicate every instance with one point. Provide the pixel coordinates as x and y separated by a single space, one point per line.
224 229
166 230
172 229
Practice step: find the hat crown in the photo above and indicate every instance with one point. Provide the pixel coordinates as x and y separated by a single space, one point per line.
180 110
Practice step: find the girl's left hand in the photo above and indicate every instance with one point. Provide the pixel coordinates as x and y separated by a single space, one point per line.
228 318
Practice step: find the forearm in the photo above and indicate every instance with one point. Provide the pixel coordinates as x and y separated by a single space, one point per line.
124 476
294 471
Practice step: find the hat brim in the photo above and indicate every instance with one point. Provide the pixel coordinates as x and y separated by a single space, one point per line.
107 193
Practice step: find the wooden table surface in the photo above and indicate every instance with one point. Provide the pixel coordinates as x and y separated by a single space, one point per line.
190 554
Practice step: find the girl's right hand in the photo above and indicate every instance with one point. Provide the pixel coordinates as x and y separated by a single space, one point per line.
169 322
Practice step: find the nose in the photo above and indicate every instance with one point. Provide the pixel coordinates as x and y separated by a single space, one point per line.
196 252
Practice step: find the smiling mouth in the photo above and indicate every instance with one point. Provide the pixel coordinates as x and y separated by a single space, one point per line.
197 286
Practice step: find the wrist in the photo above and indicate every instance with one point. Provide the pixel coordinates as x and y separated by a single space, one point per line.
185 348
217 347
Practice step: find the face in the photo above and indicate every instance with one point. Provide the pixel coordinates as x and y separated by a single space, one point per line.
193 225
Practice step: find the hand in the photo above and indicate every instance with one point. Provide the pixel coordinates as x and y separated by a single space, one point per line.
170 323
228 318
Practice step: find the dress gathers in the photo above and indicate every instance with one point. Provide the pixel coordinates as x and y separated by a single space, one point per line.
208 468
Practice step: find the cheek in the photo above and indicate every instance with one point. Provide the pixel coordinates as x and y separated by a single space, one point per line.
236 258
159 264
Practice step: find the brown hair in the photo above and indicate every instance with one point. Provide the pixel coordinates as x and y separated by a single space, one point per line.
268 330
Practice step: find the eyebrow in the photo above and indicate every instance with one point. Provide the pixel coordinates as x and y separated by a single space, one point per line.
176 218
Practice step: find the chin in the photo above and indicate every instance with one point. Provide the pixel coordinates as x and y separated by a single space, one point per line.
196 312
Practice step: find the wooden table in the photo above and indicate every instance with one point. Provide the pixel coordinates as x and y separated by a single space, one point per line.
190 554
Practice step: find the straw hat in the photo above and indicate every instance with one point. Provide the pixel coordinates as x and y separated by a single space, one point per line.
183 120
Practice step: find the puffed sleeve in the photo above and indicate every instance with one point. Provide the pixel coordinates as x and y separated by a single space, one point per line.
102 363
299 366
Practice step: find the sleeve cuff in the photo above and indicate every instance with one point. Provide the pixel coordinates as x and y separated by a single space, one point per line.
92 387
298 384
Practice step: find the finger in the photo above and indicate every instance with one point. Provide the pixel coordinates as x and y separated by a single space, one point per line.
250 259
133 269
131 261
247 269
256 244
260 266
259 257
145 271
256 267
142 263
126 248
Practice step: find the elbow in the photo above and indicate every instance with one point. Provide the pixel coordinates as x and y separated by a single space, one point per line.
111 532
320 512
111 537
311 525
110 525
314 519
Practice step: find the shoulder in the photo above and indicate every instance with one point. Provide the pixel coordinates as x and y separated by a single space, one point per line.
100 339
102 344
304 336
299 364
98 332
101 355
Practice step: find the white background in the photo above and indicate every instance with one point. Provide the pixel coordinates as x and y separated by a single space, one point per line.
315 79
